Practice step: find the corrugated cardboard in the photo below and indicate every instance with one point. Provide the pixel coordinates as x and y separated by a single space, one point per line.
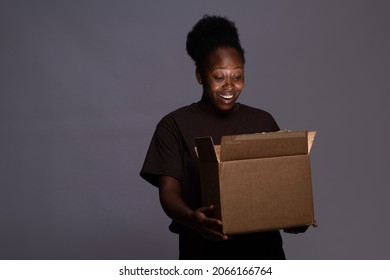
258 182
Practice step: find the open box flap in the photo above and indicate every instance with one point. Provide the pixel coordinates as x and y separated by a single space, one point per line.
257 145
310 139
205 149
263 145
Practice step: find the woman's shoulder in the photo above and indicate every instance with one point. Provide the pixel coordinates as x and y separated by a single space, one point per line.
260 119
179 114
184 110
254 111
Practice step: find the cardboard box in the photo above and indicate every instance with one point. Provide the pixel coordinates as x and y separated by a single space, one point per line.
258 182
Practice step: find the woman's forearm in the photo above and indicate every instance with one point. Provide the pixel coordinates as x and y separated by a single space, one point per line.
172 202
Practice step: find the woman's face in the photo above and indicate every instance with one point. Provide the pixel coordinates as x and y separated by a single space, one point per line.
223 78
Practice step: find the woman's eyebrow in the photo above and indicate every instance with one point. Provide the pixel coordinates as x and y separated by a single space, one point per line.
222 67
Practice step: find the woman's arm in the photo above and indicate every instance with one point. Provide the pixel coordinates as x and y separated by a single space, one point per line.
176 208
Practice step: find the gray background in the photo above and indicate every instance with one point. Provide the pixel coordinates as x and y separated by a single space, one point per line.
83 84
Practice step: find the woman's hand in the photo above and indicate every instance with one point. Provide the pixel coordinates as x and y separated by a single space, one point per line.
209 228
175 207
199 219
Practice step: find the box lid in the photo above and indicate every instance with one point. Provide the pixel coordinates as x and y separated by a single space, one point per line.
257 145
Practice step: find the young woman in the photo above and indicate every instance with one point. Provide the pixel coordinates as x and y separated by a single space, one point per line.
172 165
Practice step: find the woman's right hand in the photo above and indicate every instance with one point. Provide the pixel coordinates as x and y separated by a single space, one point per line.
175 207
209 228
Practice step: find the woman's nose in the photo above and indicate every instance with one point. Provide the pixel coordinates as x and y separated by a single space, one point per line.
228 84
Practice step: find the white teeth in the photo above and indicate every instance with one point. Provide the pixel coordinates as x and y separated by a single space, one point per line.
226 96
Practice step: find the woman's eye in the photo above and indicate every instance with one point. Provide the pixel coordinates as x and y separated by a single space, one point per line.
236 77
219 78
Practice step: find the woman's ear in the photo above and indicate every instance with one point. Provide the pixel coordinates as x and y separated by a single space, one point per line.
198 75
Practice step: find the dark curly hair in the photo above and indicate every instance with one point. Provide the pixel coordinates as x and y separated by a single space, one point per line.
210 33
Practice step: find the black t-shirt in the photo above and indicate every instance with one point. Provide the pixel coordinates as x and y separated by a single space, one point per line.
172 153
172 149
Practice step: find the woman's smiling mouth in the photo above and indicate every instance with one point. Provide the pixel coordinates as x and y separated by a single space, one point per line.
226 96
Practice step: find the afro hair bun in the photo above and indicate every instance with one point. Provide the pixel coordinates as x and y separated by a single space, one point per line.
210 33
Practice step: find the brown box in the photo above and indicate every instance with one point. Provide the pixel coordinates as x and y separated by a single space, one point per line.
258 182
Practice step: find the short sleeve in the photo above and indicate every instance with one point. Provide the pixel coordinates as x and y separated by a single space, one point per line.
273 124
163 157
